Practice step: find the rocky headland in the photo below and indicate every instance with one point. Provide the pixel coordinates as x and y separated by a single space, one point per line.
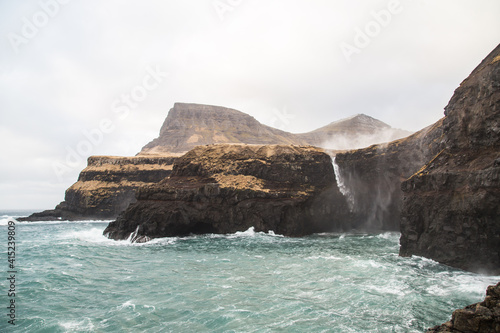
451 210
107 186
290 190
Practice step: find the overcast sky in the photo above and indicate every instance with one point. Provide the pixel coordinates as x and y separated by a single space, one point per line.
80 78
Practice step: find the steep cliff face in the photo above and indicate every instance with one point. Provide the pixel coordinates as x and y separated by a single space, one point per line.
451 210
107 186
372 176
483 317
227 188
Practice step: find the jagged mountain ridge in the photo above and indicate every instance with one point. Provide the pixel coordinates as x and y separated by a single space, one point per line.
189 125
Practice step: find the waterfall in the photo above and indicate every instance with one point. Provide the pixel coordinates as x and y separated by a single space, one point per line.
342 186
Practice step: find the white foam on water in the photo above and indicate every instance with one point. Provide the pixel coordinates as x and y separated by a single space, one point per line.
151 308
389 235
250 232
324 258
93 235
162 241
63 222
84 325
127 304
5 220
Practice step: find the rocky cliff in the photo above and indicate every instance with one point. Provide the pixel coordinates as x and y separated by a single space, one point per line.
227 188
483 317
371 177
451 210
107 186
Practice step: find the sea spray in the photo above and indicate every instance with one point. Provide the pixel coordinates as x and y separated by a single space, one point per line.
342 186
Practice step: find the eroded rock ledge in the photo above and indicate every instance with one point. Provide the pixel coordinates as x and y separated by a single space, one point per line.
107 186
227 188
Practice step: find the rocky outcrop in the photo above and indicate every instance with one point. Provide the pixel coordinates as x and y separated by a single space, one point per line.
227 188
107 186
371 177
483 317
190 125
451 209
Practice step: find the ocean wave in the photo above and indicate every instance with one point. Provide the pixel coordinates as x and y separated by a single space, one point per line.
250 232
4 221
84 325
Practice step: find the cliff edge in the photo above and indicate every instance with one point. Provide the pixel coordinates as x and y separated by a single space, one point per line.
290 190
106 187
451 208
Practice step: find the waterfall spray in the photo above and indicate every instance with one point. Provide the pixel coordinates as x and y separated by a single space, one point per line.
342 186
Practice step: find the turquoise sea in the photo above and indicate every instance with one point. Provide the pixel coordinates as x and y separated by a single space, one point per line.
70 278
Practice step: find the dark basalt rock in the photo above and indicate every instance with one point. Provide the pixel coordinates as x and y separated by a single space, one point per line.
290 190
451 209
483 317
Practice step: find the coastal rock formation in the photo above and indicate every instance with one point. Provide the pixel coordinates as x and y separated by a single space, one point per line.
483 317
371 177
103 192
107 186
290 190
451 209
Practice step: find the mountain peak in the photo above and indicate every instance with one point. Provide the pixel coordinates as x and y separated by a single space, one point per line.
188 125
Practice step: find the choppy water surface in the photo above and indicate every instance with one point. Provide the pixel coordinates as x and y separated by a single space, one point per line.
72 279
